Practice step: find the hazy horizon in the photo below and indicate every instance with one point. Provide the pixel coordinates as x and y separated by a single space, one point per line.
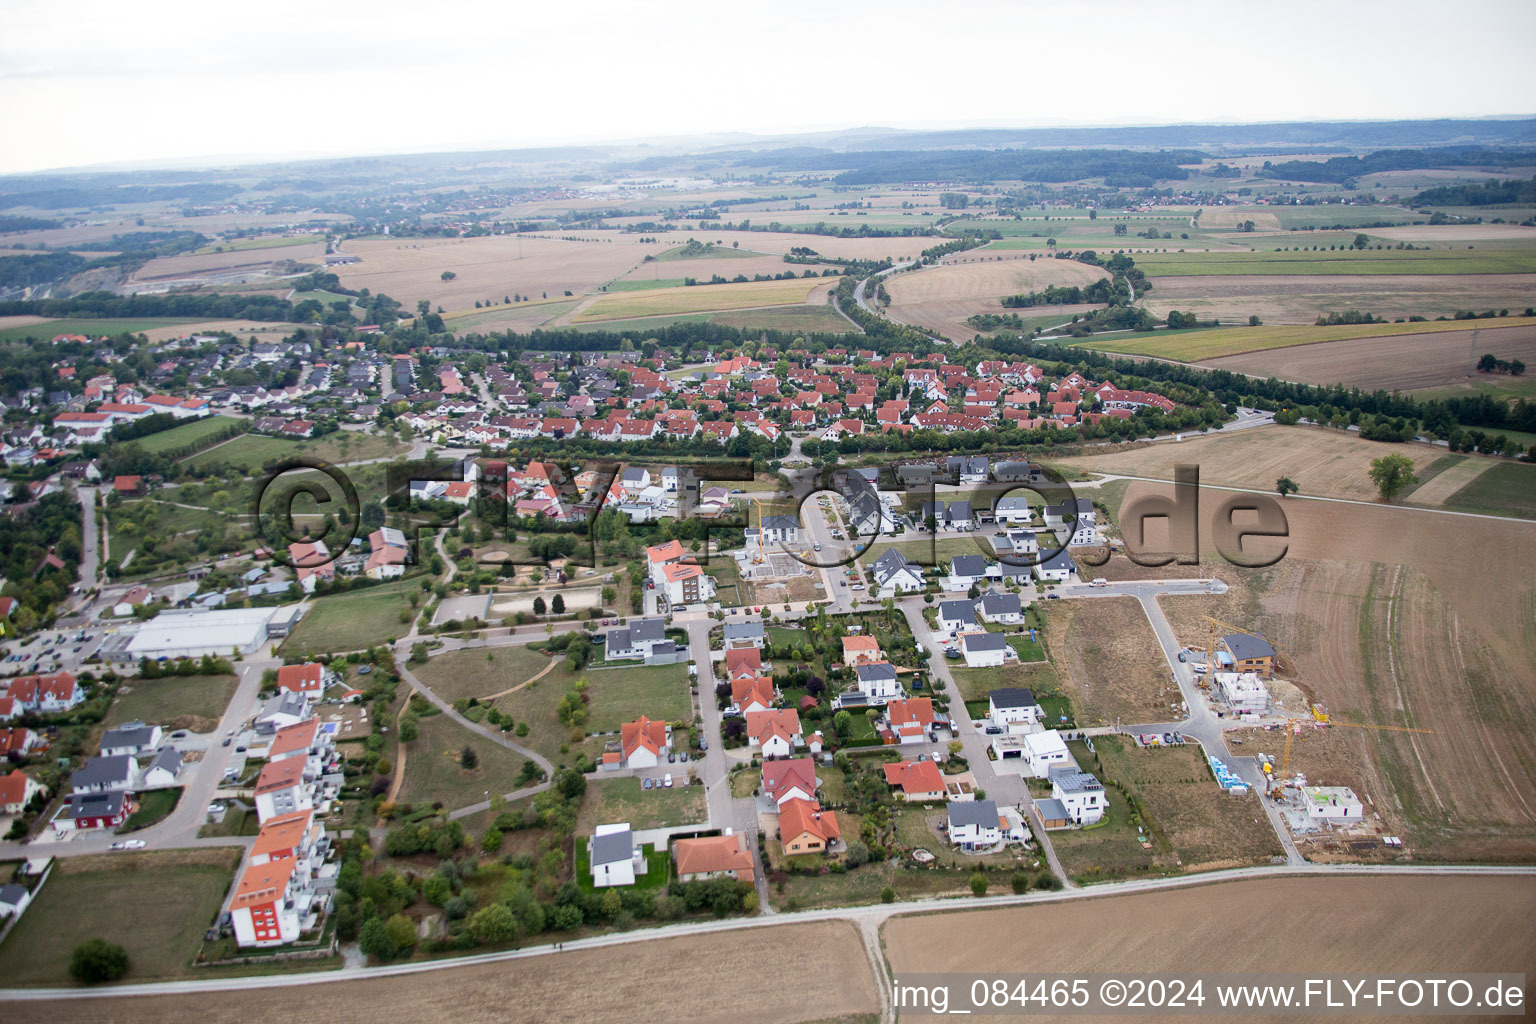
183 84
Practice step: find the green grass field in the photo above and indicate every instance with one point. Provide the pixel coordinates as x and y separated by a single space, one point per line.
1195 345
154 806
1508 489
711 252
622 695
187 433
821 319
251 451
259 242
156 905
1339 261
433 774
350 622
324 298
94 327
637 285
614 800
701 298
159 701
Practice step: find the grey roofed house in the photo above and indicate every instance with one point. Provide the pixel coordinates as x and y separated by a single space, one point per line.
1074 780
647 630
1081 507
613 848
1001 604
862 509
918 474
879 671
984 641
1014 471
959 511
982 813
1058 559
289 703
663 649
168 759
780 523
892 561
618 643
103 773
1012 503
131 736
969 565
743 630
1051 809
13 895
104 805
1013 697
1244 647
633 475
958 611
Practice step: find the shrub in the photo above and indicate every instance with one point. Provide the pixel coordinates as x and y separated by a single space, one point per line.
887 895
493 923
979 883
96 960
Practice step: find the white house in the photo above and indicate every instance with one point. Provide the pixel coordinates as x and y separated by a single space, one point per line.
776 732
1080 794
984 650
164 770
1056 567
974 824
104 775
1012 510
644 742
1046 752
744 634
1333 805
14 900
877 681
779 530
1014 708
131 738
614 857
893 571
1004 608
965 572
635 641
957 615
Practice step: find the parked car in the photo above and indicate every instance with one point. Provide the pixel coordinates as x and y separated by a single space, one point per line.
994 730
672 757
365 670
645 783
1168 738
666 780
127 844
1178 737
703 744
179 734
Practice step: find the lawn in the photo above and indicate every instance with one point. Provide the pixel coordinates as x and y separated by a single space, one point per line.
1195 345
658 865
615 695
156 905
238 821
94 327
1109 850
433 774
615 800
259 242
154 806
350 622
864 885
977 683
164 701
1508 489
186 434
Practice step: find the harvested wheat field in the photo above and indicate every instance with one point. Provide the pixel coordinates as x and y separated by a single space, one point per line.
780 242
1231 216
940 298
702 299
1322 461
176 267
1440 488
1393 363
727 266
488 268
244 328
1395 616
1456 232
1301 299
832 979
1110 662
1366 924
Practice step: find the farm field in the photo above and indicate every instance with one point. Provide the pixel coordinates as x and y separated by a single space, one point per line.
168 268
258 242
520 316
1202 345
940 298
781 242
1109 662
833 983
243 328
174 702
1363 924
1322 461
1506 489
487 268
1340 261
433 774
350 622
186 434
823 319
611 800
1434 359
161 902
701 298
1444 477
1301 298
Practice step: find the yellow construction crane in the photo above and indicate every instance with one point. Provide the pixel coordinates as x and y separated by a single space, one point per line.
1321 714
761 558
1285 758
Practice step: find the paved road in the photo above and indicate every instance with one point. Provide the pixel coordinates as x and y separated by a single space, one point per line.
875 914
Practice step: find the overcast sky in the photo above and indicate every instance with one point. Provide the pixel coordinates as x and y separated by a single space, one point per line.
101 81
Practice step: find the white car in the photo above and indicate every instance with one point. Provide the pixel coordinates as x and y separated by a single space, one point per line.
127 844
666 780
